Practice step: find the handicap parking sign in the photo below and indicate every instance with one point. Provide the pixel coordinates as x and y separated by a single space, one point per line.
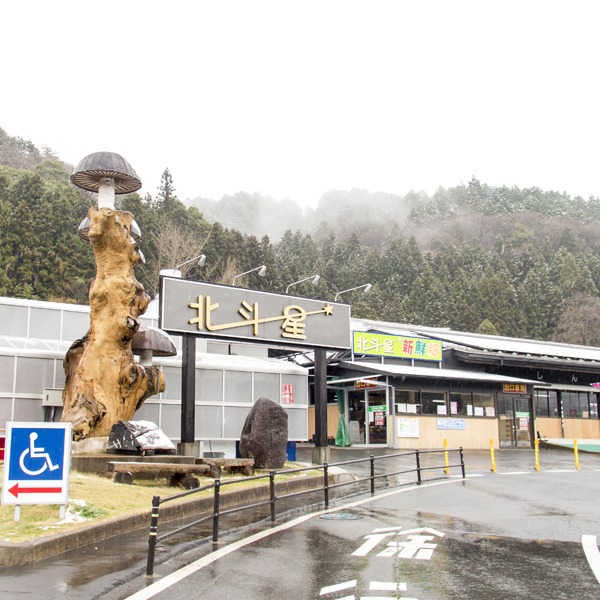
37 463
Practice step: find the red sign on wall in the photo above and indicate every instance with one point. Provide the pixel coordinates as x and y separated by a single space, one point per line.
515 388
287 393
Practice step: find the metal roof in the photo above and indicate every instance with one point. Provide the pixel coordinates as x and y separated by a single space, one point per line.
489 343
406 370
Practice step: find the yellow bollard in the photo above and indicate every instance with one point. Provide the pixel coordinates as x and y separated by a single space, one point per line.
493 456
537 454
446 456
576 454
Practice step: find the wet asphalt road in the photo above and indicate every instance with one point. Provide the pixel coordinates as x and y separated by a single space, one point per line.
513 534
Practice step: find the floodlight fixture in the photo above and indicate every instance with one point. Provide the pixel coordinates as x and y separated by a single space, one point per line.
315 281
367 287
261 273
177 273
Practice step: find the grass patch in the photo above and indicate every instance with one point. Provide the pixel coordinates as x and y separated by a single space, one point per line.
93 498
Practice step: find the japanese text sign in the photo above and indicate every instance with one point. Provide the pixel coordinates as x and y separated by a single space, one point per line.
515 388
287 393
380 344
219 311
37 463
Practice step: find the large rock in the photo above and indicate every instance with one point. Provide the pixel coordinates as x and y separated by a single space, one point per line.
265 434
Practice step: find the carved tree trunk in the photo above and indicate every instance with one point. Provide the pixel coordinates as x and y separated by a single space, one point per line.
103 382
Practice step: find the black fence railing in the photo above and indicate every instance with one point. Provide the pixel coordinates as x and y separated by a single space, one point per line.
217 485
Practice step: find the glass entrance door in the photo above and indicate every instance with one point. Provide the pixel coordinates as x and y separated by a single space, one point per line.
377 406
367 419
515 422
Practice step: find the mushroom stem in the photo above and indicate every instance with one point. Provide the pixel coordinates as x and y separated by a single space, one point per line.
146 357
106 193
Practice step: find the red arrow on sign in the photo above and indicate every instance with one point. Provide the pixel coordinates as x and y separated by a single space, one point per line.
15 490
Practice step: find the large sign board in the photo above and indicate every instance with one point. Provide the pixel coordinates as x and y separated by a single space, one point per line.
37 463
381 344
220 311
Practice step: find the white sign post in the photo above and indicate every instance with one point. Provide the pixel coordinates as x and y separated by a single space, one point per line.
37 465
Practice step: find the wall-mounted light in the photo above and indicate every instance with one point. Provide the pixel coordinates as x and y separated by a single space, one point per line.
315 281
177 273
367 287
261 273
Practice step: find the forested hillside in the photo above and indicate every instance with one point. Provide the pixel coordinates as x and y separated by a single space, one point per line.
474 258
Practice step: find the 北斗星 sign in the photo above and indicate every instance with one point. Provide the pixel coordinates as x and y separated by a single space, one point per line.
382 344
219 311
37 463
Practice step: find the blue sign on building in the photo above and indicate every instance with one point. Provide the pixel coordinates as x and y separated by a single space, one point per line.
37 463
451 424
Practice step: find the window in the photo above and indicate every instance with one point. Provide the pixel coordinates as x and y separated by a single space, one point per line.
483 405
407 401
541 403
433 403
461 404
553 407
593 406
570 404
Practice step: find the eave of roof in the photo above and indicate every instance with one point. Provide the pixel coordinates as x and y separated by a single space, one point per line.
424 372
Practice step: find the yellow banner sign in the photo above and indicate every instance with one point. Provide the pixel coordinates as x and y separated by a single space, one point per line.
380 344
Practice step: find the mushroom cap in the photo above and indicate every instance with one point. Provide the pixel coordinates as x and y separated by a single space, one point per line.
89 172
151 338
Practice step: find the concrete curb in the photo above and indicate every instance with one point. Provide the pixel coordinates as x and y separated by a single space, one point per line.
22 553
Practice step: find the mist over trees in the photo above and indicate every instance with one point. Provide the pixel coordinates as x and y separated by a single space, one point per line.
516 262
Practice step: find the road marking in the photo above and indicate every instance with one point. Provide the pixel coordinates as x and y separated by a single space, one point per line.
382 529
372 541
177 576
561 471
590 548
387 586
515 473
338 587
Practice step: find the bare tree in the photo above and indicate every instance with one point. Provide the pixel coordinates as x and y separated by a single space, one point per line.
229 272
173 245
580 322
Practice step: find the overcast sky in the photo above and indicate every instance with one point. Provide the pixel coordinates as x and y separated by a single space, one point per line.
292 99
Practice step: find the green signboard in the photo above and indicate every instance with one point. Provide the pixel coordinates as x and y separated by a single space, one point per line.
381 344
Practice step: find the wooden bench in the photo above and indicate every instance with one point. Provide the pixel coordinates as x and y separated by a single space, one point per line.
234 465
125 472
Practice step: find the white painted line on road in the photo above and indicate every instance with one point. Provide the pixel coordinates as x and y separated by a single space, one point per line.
184 572
382 529
560 471
372 541
338 587
515 473
387 586
590 547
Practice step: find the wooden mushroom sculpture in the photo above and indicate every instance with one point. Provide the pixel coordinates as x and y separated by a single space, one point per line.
149 342
103 382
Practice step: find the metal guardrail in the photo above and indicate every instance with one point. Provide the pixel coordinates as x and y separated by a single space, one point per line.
325 488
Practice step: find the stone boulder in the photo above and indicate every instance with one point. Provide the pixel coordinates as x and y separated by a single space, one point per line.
265 435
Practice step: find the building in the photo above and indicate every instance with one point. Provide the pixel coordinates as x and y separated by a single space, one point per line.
468 390
35 336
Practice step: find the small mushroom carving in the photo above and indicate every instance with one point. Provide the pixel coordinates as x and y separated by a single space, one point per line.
149 342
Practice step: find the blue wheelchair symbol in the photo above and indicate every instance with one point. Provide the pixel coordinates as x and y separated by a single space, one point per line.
37 454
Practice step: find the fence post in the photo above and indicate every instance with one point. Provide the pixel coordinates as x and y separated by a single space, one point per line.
272 490
216 511
537 454
152 537
462 461
576 453
372 474
326 487
446 456
493 455
418 467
